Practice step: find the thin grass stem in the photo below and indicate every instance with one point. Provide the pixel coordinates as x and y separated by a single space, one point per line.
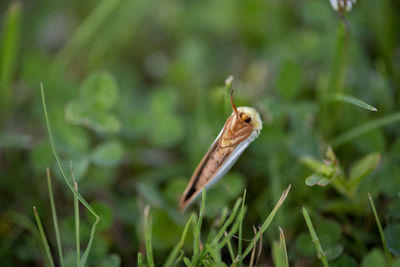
363 129
230 248
241 223
43 236
174 253
266 224
81 199
148 221
55 219
383 239
320 252
86 31
76 215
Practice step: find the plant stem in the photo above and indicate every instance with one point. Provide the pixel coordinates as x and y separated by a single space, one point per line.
315 239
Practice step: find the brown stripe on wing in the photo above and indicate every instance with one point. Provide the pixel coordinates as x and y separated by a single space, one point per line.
233 133
204 172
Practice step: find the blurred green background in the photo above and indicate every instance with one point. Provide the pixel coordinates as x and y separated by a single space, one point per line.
135 92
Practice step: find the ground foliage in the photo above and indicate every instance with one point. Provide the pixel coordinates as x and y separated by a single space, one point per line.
135 95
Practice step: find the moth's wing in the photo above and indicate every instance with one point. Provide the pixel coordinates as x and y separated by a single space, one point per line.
185 200
191 192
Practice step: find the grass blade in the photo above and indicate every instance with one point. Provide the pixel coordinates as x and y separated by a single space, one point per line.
353 101
76 215
315 239
227 94
279 253
55 220
180 257
253 251
230 249
241 224
8 53
43 236
147 235
266 223
385 248
362 129
197 231
174 253
86 31
139 259
223 228
64 175
282 244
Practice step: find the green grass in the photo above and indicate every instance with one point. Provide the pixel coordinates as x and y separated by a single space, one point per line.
314 237
135 96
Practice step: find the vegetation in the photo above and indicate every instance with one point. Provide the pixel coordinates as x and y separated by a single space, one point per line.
106 108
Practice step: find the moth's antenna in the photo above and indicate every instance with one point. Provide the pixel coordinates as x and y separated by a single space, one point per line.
233 105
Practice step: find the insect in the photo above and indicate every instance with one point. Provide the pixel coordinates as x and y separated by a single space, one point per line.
240 129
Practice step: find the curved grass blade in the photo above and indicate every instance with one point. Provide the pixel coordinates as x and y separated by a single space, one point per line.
76 215
241 223
362 129
64 175
320 252
197 231
147 235
43 236
86 31
55 220
8 53
174 253
222 230
266 224
354 101
384 244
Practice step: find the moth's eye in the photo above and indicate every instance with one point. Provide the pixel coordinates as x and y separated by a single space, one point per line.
247 120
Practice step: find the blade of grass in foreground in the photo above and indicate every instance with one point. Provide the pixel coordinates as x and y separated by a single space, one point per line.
55 220
385 248
8 53
197 231
362 129
86 31
174 253
315 239
222 230
354 101
147 235
64 175
44 239
283 246
279 253
76 215
241 224
139 259
266 224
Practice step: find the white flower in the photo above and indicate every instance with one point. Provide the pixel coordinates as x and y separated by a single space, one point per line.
342 5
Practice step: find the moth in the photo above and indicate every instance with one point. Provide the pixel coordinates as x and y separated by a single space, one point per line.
241 128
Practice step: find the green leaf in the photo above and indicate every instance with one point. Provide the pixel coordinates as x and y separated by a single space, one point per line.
106 214
392 235
334 252
112 260
100 89
108 154
344 261
353 101
362 168
317 179
99 94
374 258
